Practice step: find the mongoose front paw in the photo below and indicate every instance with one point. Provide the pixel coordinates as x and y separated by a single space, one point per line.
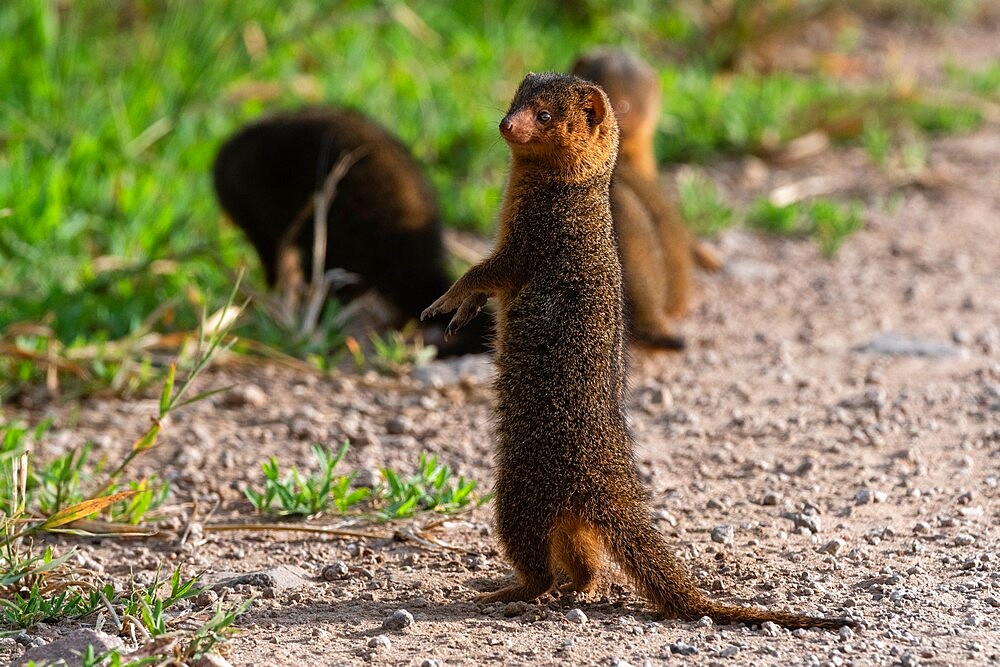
471 307
445 304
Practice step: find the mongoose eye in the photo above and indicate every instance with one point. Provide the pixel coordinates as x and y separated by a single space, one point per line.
544 116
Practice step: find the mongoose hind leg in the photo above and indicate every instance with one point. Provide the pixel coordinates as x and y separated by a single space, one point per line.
576 548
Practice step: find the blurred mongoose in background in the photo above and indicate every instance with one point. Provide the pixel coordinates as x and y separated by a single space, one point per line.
383 224
657 250
566 484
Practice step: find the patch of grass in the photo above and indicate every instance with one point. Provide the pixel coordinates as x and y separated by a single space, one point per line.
827 221
701 204
431 489
292 494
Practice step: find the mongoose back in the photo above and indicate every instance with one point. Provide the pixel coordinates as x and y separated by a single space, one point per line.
383 223
566 485
657 250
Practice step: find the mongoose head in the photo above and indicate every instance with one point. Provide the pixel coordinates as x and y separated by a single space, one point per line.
633 88
563 125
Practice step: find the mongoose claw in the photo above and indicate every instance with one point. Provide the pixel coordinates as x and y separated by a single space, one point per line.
471 307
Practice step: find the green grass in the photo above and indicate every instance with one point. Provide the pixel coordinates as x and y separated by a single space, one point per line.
112 113
431 488
828 221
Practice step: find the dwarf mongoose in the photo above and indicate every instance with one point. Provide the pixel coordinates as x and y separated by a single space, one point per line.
383 223
566 484
657 250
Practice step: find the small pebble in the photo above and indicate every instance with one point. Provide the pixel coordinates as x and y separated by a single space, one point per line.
770 498
336 570
833 547
909 660
729 652
704 622
517 608
863 496
206 598
770 629
846 633
799 633
576 616
964 540
921 527
430 662
398 620
680 648
380 642
722 534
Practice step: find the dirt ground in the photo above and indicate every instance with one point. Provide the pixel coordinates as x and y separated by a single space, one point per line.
834 424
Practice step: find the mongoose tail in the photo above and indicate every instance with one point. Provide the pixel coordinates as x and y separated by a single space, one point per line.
649 561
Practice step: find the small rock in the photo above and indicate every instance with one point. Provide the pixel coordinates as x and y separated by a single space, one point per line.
335 571
279 578
397 425
398 620
68 649
476 369
800 633
380 642
863 496
810 522
894 344
921 527
964 540
206 598
723 534
846 633
909 660
770 629
704 622
771 499
833 547
430 662
576 616
211 660
730 651
243 395
517 608
680 648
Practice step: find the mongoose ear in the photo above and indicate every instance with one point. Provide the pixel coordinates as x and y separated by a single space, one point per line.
596 105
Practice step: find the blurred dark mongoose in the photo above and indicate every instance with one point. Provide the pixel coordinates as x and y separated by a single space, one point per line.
383 224
566 484
657 250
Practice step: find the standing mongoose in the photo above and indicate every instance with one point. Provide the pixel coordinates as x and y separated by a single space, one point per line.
657 250
566 484
383 224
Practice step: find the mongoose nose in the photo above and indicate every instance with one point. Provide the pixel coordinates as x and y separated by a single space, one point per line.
506 125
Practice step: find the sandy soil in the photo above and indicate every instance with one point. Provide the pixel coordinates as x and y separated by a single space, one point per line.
852 480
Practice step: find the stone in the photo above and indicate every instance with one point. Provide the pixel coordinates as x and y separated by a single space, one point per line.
280 578
576 616
896 344
69 649
723 534
398 620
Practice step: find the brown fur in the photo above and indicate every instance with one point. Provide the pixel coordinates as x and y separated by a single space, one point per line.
658 252
566 487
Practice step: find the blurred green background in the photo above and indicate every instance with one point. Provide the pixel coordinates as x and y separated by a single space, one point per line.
111 113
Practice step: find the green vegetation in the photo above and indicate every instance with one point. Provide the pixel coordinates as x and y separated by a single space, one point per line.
112 113
429 490
73 496
830 222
